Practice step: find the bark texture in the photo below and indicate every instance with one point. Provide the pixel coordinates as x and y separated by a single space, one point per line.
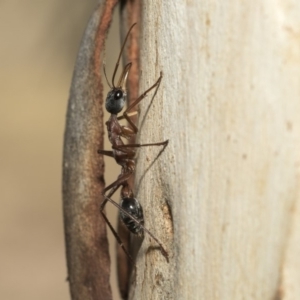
85 231
223 197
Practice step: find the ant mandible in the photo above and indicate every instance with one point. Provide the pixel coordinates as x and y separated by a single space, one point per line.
131 212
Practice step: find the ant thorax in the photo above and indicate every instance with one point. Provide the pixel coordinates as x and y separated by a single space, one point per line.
114 130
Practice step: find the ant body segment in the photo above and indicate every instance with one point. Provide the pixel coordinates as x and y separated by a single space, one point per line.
131 212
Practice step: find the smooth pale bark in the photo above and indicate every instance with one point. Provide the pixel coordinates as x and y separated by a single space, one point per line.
223 197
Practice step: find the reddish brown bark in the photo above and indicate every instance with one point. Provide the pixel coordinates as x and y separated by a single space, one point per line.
85 231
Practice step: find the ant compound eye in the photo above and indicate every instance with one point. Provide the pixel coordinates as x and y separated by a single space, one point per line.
118 95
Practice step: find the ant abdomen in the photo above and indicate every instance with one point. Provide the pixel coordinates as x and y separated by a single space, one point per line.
134 208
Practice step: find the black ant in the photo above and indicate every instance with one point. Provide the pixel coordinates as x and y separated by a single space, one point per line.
131 212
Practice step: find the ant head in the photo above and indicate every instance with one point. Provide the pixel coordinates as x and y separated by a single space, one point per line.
115 100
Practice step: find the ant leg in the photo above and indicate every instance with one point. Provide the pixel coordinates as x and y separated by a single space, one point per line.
140 145
113 187
116 236
106 152
129 115
111 227
162 249
131 153
122 178
139 99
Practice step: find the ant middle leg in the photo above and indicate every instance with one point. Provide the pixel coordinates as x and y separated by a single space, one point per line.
120 147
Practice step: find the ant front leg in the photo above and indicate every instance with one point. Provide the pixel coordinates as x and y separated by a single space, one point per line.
137 101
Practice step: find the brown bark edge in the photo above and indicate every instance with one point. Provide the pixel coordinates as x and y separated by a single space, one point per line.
85 231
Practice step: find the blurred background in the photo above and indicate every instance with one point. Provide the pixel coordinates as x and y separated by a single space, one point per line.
39 45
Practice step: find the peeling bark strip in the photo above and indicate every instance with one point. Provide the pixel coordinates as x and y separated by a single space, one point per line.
85 231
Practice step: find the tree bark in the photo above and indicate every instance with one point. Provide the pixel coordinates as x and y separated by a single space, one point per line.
223 197
85 230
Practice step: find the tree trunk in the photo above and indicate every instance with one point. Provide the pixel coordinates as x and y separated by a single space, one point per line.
223 197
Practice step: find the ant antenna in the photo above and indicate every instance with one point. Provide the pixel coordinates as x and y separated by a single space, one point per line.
104 70
123 77
118 61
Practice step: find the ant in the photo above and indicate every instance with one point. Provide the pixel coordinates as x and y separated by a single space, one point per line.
131 211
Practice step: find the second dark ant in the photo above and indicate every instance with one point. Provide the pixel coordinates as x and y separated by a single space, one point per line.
131 212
